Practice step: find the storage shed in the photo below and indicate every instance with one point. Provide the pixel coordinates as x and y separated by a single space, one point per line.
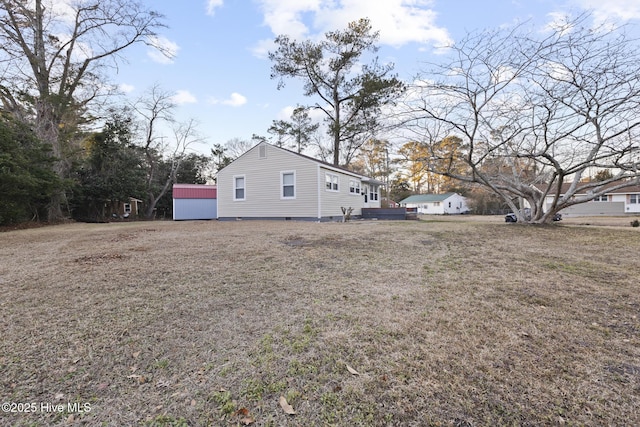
195 201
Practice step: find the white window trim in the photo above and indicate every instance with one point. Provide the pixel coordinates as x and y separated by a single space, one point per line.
235 199
373 193
357 187
332 176
282 174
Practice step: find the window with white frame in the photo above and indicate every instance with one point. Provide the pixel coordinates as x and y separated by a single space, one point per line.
239 189
288 180
127 208
331 182
603 198
354 187
373 192
634 199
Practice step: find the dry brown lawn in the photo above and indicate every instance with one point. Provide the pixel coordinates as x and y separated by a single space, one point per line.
448 322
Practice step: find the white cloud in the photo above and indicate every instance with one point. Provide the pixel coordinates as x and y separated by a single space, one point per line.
286 16
315 114
234 100
163 50
184 97
62 9
624 10
212 5
399 21
285 113
127 88
263 47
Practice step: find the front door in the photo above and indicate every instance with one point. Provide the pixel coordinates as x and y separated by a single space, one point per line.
365 194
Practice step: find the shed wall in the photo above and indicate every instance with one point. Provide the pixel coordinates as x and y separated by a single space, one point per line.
186 209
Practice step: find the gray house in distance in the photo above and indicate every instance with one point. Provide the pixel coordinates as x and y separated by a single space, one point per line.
622 201
268 182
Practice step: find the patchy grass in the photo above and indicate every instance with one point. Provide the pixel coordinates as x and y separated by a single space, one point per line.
455 322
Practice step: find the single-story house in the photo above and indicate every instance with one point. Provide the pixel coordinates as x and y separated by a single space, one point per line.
269 182
194 201
615 202
437 204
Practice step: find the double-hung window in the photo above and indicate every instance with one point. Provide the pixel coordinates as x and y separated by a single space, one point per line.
288 181
331 182
634 198
373 195
354 187
603 198
239 189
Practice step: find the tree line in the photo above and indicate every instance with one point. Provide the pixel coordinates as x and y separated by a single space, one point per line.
508 116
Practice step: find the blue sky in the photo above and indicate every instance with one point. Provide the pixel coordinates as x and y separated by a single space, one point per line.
221 75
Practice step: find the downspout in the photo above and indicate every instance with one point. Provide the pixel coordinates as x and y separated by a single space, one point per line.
319 190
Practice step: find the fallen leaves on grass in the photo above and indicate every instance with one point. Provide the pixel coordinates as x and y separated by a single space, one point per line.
141 379
288 409
246 418
352 371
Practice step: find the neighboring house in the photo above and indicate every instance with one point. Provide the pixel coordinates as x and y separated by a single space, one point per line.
437 204
129 208
268 182
194 201
616 202
390 203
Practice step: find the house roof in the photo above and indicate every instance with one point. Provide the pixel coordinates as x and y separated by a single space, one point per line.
194 191
322 163
332 166
426 198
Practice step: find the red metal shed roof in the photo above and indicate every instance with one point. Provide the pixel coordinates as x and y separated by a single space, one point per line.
194 191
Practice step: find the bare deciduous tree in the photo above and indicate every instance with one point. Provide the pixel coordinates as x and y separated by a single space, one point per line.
51 54
163 154
536 114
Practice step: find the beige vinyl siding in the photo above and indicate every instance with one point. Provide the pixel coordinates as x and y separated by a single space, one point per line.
332 201
263 185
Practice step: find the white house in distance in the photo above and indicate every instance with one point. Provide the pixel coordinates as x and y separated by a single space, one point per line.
616 202
268 182
437 204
